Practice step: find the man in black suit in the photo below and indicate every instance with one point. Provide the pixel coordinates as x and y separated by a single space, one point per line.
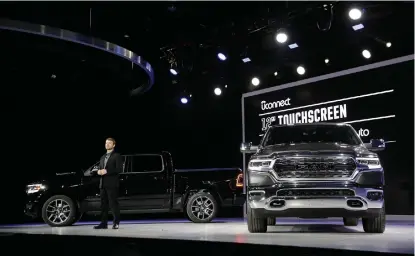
110 166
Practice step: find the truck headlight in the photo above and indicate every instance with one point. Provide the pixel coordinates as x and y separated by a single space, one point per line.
34 188
368 162
260 165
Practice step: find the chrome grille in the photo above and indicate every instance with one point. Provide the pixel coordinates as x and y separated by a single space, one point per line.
314 167
313 193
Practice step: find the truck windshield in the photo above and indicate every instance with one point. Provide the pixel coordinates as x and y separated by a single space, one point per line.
311 134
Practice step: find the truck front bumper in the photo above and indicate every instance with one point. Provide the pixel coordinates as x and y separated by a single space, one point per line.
307 203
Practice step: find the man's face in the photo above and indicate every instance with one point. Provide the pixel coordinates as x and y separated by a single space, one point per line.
109 145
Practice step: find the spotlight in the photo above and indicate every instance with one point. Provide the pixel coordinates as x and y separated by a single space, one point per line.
226 86
275 73
281 38
301 70
326 61
366 54
184 100
217 91
173 72
355 14
255 81
221 56
388 44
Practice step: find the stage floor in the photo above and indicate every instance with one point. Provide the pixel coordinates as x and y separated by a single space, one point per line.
324 233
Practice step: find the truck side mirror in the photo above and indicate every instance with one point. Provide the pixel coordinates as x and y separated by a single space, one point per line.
246 147
376 145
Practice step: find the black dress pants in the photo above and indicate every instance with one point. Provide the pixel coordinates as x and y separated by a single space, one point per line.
109 199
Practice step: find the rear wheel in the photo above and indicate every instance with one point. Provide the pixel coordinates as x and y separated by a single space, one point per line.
271 221
351 222
59 211
201 208
255 224
375 224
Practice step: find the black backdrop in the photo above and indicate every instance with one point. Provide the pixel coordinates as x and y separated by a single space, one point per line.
377 102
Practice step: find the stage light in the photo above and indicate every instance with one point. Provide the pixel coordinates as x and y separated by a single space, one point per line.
301 70
366 54
217 91
184 100
281 38
221 56
173 72
246 60
275 73
358 27
326 61
226 86
255 81
388 44
355 14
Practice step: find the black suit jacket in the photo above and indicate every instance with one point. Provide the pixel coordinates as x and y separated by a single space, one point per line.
114 167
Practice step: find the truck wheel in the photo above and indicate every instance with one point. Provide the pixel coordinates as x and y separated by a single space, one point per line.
256 225
201 208
375 224
271 221
351 222
59 211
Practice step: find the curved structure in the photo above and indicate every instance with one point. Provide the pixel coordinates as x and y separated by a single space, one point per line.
81 39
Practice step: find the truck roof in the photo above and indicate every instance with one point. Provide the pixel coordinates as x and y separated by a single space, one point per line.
314 124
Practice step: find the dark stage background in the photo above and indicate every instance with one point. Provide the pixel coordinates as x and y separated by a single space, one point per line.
389 91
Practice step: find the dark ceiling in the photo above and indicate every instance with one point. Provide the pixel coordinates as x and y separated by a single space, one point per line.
190 34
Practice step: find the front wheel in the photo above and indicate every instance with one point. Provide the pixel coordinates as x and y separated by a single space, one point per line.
59 211
375 224
255 224
351 222
201 208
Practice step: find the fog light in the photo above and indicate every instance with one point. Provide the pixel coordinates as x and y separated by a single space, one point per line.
374 196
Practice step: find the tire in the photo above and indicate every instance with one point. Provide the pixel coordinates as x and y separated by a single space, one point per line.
375 224
351 222
67 208
271 222
256 225
204 214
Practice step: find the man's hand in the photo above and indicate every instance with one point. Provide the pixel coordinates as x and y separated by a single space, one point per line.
103 172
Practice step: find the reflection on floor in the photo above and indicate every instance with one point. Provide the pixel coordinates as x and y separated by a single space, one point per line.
327 233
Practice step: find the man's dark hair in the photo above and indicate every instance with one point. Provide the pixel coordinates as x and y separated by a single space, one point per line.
111 139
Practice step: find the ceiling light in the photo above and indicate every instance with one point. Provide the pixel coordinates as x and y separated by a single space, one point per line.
173 72
281 38
184 100
388 44
221 56
358 27
301 70
255 81
217 91
366 54
246 60
226 86
292 46
275 73
326 61
355 14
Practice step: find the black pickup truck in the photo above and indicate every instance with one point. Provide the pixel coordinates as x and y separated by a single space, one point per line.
149 183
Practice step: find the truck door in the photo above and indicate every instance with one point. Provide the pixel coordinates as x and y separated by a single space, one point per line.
147 184
90 190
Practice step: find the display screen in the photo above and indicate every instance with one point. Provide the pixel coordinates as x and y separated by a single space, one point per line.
378 103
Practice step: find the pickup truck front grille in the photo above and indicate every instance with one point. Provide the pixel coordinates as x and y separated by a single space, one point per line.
314 167
313 193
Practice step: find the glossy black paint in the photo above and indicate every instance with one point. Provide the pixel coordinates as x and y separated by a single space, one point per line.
166 190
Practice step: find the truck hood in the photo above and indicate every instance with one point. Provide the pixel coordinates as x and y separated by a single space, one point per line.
58 179
314 148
